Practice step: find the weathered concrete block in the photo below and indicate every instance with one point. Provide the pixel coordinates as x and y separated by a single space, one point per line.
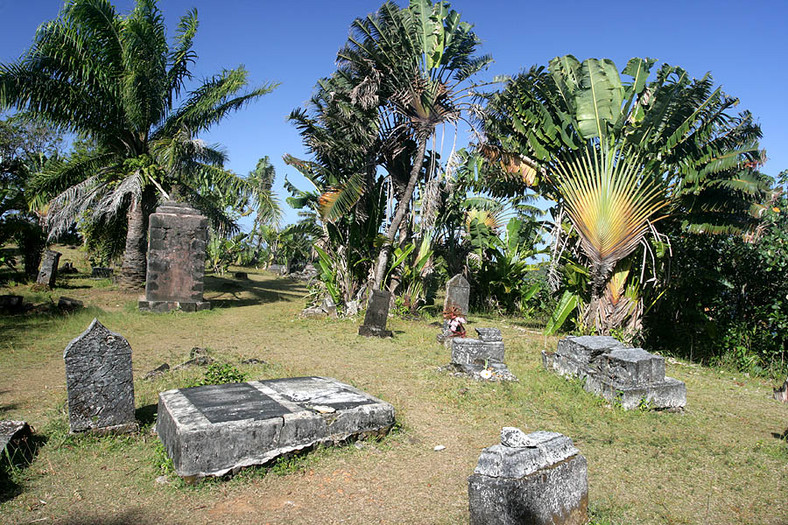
632 377
539 478
584 348
99 382
473 351
630 367
489 335
15 444
213 430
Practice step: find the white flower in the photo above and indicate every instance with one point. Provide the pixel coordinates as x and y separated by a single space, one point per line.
486 374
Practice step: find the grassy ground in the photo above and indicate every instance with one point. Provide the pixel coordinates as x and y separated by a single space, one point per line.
724 460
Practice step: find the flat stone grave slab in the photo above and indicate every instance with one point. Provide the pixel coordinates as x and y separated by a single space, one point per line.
213 430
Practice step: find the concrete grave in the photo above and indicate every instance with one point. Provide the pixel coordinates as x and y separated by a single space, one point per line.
15 444
213 430
481 358
176 259
47 274
632 377
538 478
99 382
377 315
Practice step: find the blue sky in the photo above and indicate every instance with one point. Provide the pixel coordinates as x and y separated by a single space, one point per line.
742 44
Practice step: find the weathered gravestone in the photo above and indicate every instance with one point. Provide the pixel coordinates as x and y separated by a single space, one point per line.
538 478
47 275
632 377
481 358
176 259
377 315
99 382
15 445
213 430
458 294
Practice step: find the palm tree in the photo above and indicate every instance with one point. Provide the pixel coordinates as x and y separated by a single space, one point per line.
408 66
114 79
619 156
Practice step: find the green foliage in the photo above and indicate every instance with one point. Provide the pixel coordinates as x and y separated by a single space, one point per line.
566 305
670 144
727 297
26 147
115 80
219 374
221 252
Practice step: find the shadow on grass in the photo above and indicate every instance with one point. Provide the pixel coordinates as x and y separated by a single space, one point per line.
17 328
16 458
146 415
234 292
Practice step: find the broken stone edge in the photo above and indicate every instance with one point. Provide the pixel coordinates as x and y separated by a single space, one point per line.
179 440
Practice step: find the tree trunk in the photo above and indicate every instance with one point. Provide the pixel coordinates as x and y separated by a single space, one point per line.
132 274
399 215
595 315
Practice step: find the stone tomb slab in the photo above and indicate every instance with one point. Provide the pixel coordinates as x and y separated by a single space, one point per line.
213 430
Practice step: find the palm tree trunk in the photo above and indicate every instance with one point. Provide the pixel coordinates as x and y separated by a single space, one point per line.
399 214
132 274
595 315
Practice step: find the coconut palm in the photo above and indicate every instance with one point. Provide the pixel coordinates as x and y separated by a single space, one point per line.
408 66
116 80
618 156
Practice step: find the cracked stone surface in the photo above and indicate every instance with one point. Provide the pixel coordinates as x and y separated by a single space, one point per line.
99 381
536 478
213 430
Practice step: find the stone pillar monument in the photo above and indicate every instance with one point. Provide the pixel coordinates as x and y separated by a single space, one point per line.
176 259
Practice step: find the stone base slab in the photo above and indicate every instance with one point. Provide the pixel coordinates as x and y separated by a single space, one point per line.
665 395
168 306
668 393
213 430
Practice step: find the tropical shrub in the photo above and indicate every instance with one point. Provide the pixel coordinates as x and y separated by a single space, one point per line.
617 156
726 299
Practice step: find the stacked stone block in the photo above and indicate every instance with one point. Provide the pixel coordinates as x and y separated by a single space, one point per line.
632 377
